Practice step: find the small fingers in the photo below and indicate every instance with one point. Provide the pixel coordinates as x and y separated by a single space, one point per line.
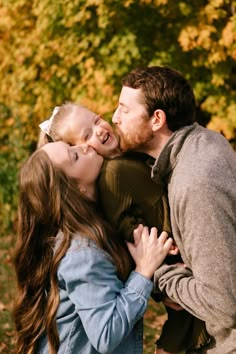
174 250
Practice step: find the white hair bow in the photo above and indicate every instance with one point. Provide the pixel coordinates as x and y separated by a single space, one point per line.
46 125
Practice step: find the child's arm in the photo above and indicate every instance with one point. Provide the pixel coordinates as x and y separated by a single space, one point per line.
129 197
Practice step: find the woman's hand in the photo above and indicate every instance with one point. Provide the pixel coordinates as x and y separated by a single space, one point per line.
148 250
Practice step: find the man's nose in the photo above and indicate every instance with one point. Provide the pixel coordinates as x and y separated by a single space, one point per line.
115 118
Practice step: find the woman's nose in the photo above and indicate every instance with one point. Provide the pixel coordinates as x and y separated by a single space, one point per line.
83 148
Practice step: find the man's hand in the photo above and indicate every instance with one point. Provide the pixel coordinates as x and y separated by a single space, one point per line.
170 303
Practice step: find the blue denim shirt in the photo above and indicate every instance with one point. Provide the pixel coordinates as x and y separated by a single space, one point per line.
98 313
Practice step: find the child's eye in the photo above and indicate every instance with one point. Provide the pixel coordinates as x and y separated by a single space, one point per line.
87 134
97 120
76 156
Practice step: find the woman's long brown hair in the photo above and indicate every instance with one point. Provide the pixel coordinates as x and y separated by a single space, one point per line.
50 202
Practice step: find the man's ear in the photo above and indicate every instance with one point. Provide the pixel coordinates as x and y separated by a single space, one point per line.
158 120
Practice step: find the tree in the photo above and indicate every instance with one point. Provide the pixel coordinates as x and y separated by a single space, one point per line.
79 50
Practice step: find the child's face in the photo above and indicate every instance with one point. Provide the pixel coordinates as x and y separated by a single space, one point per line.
86 127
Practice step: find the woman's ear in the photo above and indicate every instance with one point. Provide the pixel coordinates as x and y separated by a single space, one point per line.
82 189
158 119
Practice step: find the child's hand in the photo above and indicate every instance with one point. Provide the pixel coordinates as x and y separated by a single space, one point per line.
174 249
148 250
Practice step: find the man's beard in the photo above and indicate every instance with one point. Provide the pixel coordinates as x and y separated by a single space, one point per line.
138 141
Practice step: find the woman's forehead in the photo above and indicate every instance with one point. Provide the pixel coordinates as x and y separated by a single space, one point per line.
56 150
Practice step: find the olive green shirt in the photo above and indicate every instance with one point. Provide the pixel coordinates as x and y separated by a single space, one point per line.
129 197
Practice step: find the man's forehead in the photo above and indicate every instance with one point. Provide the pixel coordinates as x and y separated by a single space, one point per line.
130 94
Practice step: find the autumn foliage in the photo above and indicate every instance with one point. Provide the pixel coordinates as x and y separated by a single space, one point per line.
53 51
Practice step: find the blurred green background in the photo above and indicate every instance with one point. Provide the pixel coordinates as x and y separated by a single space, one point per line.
55 51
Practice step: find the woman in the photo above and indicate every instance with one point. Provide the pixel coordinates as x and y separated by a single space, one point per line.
77 292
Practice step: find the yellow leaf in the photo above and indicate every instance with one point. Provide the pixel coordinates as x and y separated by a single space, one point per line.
228 34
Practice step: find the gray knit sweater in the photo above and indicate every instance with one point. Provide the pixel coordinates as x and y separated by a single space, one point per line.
199 167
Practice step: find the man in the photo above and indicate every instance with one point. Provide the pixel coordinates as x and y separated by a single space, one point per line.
156 115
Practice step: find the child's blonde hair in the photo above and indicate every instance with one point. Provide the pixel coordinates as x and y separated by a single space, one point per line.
55 128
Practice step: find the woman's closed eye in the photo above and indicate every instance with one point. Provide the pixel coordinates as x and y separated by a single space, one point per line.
76 156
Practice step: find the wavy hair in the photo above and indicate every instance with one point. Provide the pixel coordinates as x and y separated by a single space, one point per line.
50 203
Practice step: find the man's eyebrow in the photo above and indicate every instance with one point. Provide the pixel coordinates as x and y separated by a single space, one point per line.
123 104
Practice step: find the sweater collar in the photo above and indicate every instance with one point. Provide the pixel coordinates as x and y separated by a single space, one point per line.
169 155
